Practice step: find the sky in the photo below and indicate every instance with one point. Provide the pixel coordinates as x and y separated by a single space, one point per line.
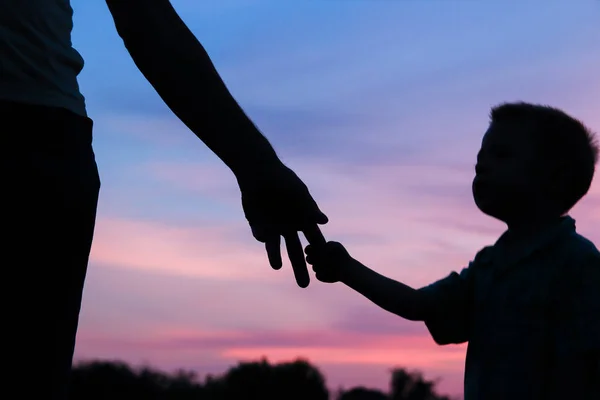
379 106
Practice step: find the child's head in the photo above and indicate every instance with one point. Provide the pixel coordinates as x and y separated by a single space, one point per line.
535 163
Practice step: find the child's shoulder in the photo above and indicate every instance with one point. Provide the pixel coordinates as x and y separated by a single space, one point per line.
578 247
581 256
484 255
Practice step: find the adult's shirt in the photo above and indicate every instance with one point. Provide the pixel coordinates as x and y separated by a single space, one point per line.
38 64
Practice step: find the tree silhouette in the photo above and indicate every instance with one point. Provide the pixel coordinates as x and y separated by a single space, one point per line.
297 380
118 381
407 385
362 393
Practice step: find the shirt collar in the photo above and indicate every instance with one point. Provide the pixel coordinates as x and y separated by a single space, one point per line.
539 241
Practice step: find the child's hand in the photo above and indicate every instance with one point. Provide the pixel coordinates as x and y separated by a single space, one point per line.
331 262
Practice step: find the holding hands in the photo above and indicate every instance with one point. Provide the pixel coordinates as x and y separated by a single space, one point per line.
278 204
331 261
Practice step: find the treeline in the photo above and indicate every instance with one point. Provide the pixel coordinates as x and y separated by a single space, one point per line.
261 380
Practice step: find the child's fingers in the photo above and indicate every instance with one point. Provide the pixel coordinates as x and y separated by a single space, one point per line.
314 258
316 262
308 249
312 251
318 268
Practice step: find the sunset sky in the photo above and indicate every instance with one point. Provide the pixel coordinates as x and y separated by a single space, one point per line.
379 106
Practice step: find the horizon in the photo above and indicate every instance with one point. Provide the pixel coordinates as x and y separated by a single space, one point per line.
380 108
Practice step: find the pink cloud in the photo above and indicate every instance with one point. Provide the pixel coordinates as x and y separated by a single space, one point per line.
200 252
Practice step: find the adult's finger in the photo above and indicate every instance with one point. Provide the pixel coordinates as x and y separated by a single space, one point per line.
314 210
322 219
273 247
314 235
296 255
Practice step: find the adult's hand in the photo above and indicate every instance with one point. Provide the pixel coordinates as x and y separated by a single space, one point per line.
277 203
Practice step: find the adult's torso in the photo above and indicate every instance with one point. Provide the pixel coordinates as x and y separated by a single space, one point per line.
38 64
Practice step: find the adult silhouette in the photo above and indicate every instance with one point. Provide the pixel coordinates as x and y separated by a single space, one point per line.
50 178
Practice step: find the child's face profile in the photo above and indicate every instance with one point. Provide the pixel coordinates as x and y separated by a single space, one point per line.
506 184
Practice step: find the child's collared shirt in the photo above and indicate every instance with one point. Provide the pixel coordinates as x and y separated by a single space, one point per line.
527 314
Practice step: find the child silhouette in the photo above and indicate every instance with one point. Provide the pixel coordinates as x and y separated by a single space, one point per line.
528 306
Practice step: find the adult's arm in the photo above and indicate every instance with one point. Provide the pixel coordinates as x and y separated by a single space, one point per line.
178 67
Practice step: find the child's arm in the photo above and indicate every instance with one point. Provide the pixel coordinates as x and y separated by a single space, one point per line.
444 306
332 263
391 295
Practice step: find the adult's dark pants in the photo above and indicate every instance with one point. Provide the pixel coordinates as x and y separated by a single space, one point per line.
49 193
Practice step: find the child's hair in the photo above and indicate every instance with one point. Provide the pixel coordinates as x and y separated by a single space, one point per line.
566 144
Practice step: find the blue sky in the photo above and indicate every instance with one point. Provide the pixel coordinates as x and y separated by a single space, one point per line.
379 105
